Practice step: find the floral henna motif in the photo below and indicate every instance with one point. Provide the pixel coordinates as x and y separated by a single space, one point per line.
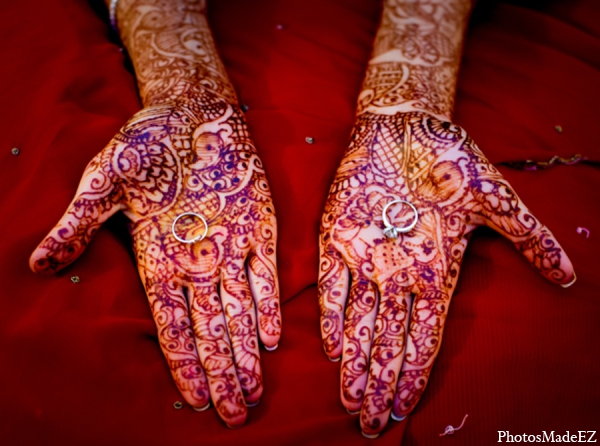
187 151
384 301
388 327
154 170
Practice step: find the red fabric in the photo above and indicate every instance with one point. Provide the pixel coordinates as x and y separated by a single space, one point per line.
80 363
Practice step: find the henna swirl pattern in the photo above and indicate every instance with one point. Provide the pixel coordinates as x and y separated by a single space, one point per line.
187 151
384 302
415 58
153 171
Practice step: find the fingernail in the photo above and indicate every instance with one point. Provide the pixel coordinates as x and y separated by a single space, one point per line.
270 349
370 436
567 285
351 412
255 403
334 359
233 427
202 409
397 418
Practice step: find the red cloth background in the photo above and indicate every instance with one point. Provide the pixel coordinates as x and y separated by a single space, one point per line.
80 363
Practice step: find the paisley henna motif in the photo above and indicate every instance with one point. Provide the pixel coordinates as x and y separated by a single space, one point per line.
384 301
188 150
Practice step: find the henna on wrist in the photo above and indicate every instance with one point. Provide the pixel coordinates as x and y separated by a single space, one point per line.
172 48
415 58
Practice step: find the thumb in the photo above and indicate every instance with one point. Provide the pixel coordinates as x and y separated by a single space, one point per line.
506 213
97 198
546 255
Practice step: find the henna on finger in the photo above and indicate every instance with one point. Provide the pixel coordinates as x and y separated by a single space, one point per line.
216 355
175 333
429 313
97 198
387 353
238 307
359 325
436 167
185 164
262 277
334 281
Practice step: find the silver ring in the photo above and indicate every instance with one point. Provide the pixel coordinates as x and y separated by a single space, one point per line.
195 239
112 13
391 231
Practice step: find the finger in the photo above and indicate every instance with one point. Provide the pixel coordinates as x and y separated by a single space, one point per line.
359 324
506 213
176 338
545 254
95 201
387 354
214 349
333 292
262 276
241 322
426 326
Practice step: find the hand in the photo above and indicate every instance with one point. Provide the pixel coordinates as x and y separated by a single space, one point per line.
391 296
208 298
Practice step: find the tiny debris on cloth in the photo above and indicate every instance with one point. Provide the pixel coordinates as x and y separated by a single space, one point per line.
552 162
584 231
450 429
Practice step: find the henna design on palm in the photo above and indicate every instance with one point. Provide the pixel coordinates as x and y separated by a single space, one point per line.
384 301
187 151
206 297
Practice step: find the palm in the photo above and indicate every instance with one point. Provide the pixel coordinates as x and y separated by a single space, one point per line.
392 318
167 161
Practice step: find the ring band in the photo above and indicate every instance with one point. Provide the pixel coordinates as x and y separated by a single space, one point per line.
112 13
391 231
195 239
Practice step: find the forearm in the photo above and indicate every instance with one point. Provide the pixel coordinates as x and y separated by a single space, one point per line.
172 49
416 56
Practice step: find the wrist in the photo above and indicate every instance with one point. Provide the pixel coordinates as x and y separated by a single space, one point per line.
171 48
416 56
197 86
366 106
